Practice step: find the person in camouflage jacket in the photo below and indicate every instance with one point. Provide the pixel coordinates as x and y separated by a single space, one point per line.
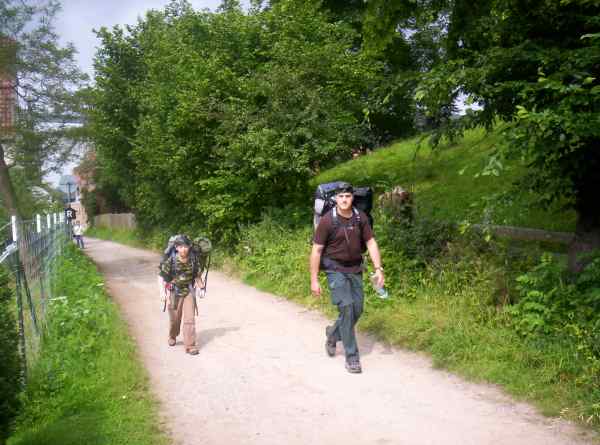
179 277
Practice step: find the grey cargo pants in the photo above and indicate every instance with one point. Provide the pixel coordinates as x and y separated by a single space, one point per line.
347 294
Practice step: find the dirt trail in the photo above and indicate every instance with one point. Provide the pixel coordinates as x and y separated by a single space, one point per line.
262 376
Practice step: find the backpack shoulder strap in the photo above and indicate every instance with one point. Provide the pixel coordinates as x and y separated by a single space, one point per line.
356 215
173 259
335 224
194 257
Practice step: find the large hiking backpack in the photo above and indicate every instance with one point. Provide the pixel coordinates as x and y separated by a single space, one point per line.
200 253
325 201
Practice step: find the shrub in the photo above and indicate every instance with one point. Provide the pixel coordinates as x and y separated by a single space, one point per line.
420 240
557 307
550 299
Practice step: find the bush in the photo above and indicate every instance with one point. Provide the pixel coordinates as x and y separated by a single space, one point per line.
10 365
420 240
550 299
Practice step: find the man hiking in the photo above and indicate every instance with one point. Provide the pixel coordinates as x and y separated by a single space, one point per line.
179 278
340 239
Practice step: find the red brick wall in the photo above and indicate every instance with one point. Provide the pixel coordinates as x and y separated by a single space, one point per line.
7 105
7 85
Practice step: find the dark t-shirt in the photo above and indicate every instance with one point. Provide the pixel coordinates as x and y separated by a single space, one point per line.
347 246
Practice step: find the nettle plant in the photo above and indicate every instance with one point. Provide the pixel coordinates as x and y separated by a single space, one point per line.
552 303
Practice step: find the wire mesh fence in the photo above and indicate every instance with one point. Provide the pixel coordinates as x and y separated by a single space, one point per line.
29 250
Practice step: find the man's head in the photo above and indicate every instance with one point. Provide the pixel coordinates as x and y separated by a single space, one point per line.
344 196
182 245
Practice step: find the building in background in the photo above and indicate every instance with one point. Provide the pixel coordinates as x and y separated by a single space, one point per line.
8 83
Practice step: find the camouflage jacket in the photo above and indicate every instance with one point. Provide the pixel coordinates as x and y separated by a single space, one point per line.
180 274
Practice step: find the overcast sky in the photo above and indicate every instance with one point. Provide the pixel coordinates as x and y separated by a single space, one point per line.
78 18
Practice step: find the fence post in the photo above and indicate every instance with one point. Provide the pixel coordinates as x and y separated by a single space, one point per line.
13 223
17 269
25 285
41 247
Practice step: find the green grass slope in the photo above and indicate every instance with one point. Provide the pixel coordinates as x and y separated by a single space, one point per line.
450 183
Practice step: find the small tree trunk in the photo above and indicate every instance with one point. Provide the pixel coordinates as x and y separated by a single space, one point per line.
7 192
587 238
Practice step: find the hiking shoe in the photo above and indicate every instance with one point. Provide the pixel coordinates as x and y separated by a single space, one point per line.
172 342
353 367
192 351
330 345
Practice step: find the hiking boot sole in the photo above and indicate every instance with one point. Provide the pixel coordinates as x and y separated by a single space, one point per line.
353 369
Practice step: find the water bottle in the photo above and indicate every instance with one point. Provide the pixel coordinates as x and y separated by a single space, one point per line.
380 291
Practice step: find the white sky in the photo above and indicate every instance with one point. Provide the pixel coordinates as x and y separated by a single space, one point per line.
78 18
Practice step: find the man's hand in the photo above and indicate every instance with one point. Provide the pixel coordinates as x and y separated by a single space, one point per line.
315 288
162 289
199 283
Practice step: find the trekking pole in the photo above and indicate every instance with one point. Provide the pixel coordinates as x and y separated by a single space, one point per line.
206 276
203 288
166 298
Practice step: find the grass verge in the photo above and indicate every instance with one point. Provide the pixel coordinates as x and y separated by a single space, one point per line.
88 386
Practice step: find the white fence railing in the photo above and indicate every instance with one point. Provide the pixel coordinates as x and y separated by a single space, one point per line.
28 250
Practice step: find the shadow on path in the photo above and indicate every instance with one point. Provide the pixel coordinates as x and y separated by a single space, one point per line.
205 336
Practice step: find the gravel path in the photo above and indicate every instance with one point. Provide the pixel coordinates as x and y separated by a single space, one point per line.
262 376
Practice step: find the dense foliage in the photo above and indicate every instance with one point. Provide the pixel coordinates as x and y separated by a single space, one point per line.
211 117
535 65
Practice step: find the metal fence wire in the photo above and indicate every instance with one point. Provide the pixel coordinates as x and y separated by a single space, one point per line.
29 250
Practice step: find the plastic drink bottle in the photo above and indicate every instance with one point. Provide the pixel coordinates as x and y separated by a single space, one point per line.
380 291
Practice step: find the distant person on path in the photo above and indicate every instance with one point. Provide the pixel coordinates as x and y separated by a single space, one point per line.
341 237
78 234
180 276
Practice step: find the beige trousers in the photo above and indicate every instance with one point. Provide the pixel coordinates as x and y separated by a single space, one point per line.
185 310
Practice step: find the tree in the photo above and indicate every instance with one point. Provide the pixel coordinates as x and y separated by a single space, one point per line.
212 117
45 81
536 65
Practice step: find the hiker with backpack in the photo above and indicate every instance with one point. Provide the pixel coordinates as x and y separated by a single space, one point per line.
179 277
341 237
